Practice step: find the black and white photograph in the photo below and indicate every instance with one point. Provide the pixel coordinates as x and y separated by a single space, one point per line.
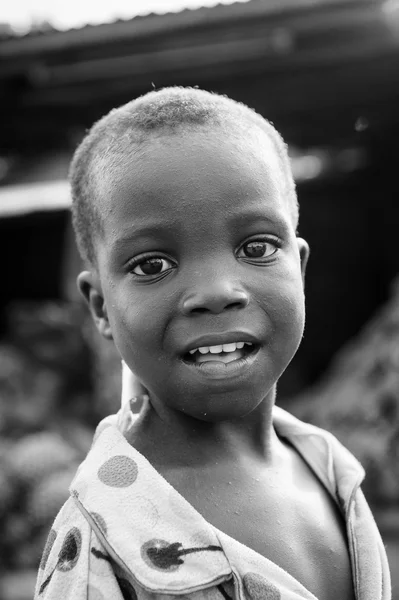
199 306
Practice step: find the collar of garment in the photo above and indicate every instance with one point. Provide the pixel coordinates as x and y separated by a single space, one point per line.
148 528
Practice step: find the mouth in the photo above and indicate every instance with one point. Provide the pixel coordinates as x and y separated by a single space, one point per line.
222 354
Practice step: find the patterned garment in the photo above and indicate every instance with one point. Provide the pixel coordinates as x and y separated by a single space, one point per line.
126 534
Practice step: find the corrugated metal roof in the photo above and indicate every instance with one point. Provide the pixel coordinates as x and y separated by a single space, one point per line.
47 36
46 29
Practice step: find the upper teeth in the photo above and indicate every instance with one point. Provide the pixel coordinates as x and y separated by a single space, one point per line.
222 348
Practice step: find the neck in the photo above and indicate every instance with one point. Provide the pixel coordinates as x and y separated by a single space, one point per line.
170 439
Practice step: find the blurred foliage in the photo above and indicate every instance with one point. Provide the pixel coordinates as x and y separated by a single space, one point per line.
47 418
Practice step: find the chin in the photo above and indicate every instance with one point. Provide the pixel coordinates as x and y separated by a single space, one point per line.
216 409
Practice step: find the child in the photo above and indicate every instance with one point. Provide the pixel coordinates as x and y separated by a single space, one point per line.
185 212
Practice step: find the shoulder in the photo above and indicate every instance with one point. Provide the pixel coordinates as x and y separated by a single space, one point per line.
319 439
335 465
66 547
79 563
76 566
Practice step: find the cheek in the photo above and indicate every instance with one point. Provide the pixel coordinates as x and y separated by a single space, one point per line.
292 313
286 308
138 323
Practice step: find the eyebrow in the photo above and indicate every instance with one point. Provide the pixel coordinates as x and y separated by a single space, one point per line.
166 228
151 229
271 217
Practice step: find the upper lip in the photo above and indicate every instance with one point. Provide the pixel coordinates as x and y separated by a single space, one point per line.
218 339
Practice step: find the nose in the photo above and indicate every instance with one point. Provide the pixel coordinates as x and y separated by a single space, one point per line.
214 297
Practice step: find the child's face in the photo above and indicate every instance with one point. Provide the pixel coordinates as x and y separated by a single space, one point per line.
199 250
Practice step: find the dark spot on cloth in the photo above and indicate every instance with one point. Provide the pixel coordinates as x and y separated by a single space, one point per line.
168 557
67 556
69 553
119 471
100 522
99 554
259 588
47 548
162 555
128 591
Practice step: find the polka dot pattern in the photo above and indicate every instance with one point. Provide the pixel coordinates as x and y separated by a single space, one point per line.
69 553
47 549
161 555
119 504
100 522
119 471
258 588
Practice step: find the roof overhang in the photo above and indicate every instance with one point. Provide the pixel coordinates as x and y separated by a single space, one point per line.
28 198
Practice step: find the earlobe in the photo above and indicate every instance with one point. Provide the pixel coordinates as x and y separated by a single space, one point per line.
90 287
304 252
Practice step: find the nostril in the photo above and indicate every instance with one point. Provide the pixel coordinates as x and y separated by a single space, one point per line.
214 300
203 309
234 305
199 310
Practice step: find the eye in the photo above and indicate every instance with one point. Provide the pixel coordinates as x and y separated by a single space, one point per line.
154 265
258 249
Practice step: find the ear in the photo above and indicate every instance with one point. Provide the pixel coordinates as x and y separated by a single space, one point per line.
304 252
90 287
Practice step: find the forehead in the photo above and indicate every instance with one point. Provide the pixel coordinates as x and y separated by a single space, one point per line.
177 176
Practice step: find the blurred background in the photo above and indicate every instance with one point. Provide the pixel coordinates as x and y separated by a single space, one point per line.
326 72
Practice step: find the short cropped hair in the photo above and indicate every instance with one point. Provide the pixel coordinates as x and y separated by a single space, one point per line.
158 113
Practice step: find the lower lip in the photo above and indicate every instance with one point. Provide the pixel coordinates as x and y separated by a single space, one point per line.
220 370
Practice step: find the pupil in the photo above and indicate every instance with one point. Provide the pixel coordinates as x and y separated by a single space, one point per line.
152 266
255 249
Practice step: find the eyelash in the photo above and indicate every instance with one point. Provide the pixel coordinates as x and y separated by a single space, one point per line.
275 242
136 262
